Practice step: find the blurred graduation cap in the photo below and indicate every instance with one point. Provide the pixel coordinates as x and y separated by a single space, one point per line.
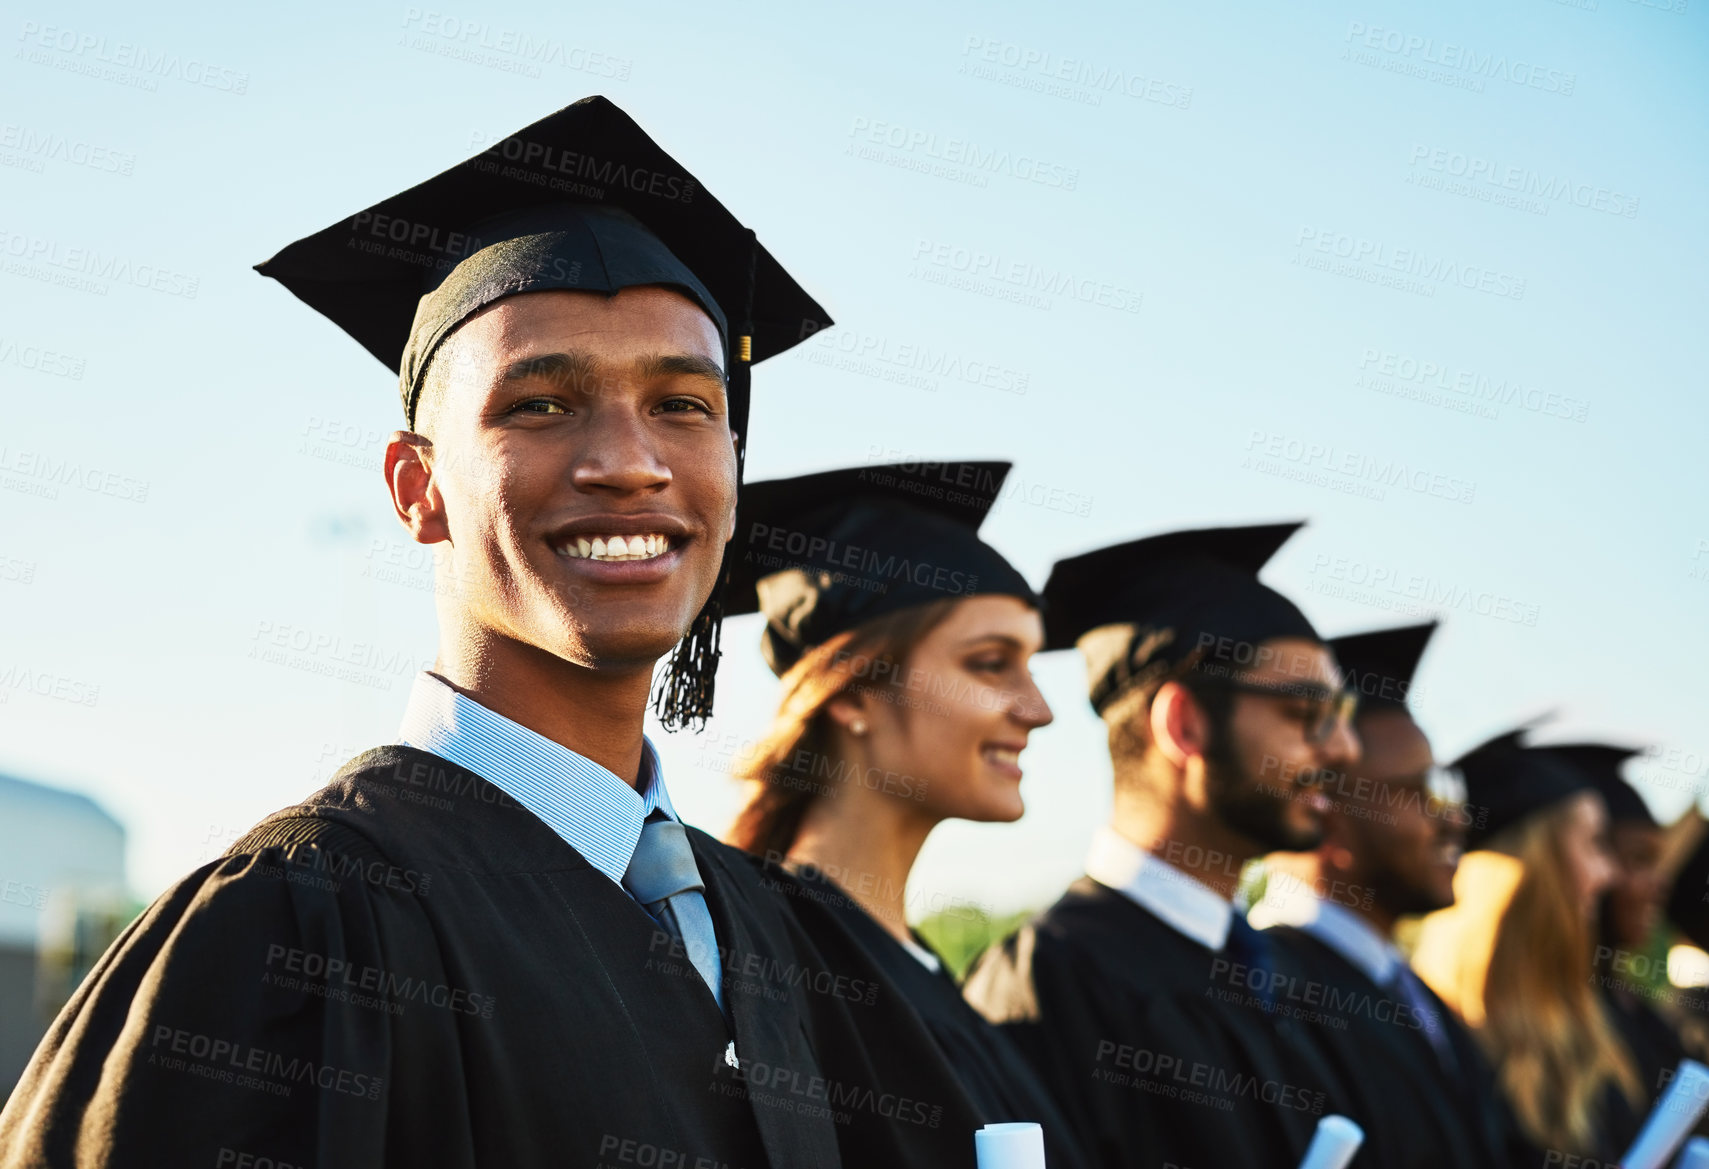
1141 609
1380 665
582 200
823 553
1602 763
1507 780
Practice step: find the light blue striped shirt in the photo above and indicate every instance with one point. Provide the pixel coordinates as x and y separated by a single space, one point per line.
595 812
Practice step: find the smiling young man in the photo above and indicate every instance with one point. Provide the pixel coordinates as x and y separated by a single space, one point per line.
1391 844
493 942
1143 998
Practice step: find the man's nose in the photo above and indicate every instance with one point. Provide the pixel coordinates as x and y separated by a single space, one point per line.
1341 749
618 453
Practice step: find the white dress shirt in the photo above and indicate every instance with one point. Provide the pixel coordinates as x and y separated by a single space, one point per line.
1180 901
1336 926
595 813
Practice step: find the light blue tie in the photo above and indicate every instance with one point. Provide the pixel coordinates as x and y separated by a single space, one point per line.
663 877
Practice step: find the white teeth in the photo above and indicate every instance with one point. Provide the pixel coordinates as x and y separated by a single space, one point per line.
617 547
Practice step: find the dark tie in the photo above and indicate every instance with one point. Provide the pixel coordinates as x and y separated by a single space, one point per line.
1405 987
1252 949
663 877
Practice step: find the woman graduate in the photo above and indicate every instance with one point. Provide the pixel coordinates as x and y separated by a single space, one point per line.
1659 1029
1513 956
1630 913
492 943
903 643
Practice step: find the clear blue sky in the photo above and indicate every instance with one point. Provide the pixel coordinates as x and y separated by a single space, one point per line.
1430 275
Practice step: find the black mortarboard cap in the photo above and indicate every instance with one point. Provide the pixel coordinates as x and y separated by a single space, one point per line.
1602 762
1506 781
821 554
582 200
1379 666
1144 608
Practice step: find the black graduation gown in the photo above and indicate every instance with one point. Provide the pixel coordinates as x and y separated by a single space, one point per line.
1001 1084
412 970
1618 1121
1157 1057
1617 1126
1655 1043
1418 1112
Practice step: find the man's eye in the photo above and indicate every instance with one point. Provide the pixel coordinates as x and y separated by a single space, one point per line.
684 406
540 406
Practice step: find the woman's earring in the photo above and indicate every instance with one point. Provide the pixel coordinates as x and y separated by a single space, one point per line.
857 726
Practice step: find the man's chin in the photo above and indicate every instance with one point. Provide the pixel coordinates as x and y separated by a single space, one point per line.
618 651
1431 901
1298 837
1278 833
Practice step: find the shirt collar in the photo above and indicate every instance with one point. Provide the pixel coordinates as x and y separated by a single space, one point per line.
595 813
922 955
1180 901
1336 926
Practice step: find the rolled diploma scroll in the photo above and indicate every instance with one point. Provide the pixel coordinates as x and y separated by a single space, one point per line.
1017 1145
1672 1119
1334 1144
1696 1155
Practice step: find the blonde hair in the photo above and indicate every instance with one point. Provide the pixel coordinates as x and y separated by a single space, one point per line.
867 659
1513 957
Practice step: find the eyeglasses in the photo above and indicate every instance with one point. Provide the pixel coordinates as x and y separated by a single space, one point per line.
1445 792
1328 710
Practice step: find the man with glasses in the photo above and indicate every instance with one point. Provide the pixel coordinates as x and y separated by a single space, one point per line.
1160 1017
1391 843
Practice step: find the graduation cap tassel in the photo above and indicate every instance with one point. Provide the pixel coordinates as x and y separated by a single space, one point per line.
686 691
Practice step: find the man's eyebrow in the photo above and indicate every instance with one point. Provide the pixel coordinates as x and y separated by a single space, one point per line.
572 370
679 365
564 368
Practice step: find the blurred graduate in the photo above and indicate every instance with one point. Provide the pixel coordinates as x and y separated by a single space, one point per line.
1629 917
1143 997
1512 957
1392 840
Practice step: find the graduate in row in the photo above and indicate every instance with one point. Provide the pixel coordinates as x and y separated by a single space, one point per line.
1143 997
1513 956
1631 911
903 643
493 942
1392 839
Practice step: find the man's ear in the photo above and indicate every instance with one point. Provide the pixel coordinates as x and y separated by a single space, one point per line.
736 450
1180 728
415 495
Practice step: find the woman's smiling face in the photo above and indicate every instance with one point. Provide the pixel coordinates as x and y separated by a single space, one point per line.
957 720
